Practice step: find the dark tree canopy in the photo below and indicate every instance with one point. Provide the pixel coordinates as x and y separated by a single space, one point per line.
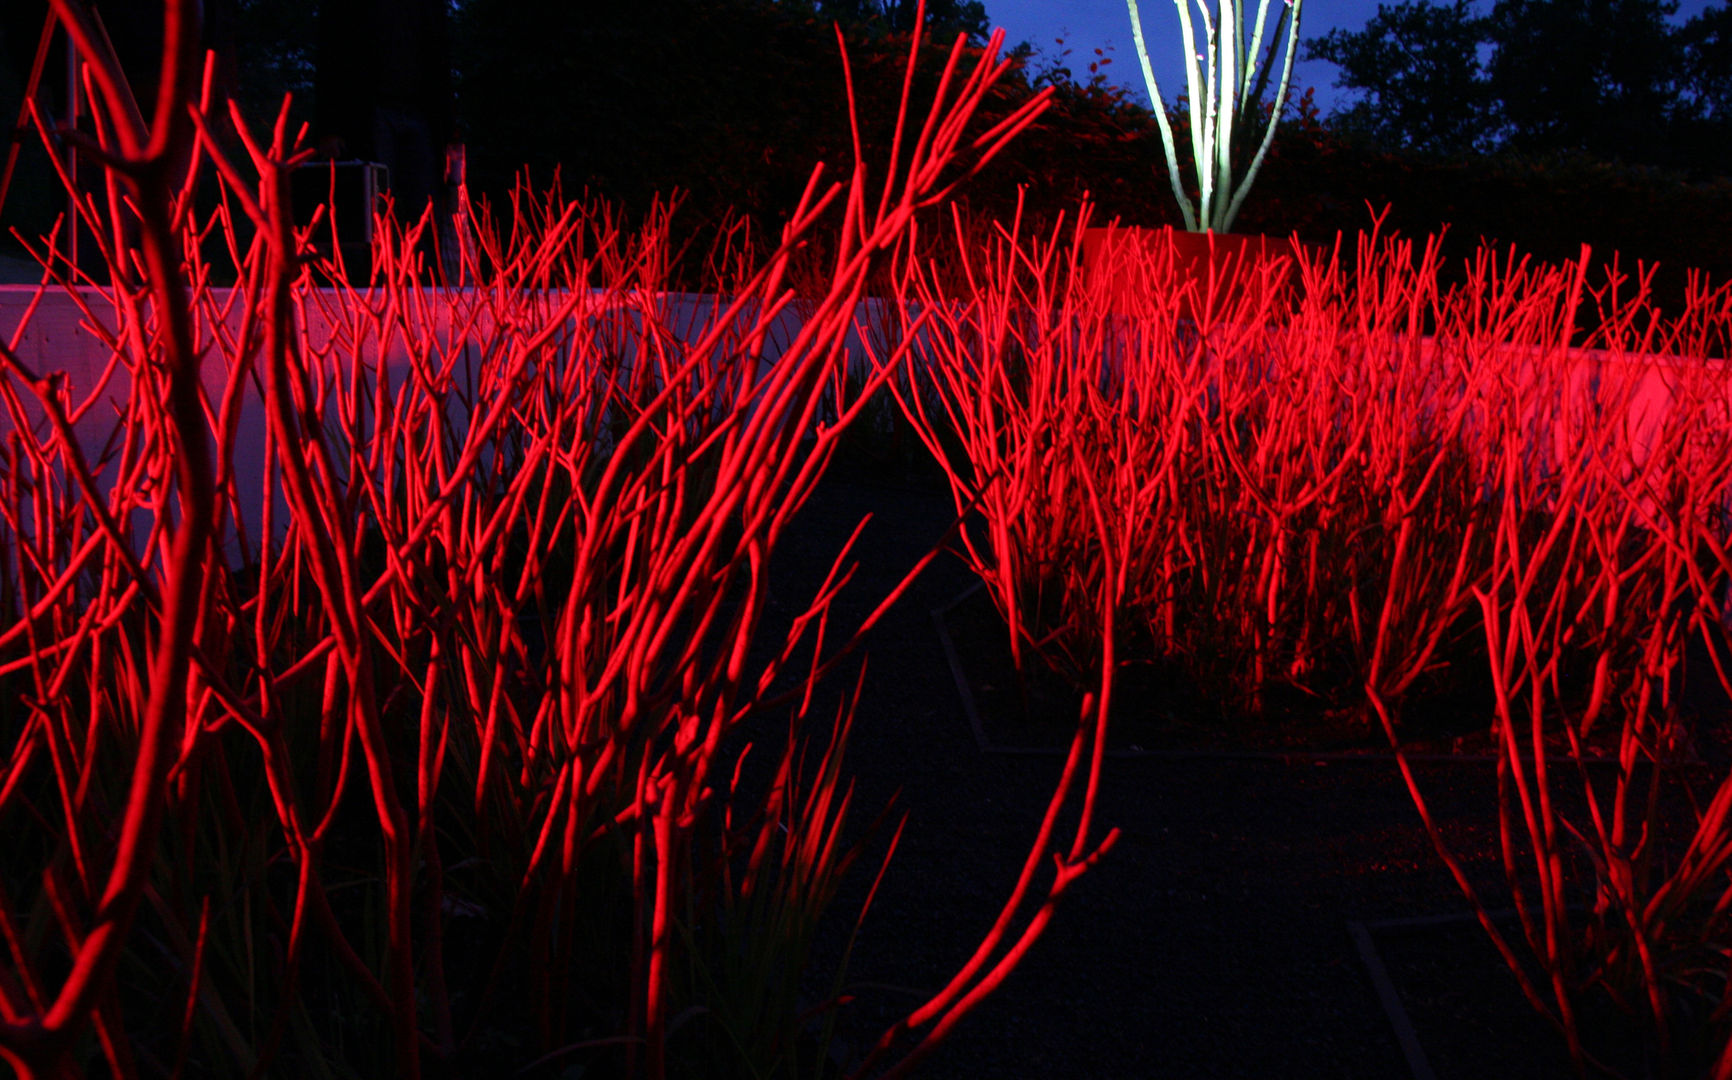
1611 79
384 90
633 98
276 53
944 18
1707 46
730 101
1418 64
1593 76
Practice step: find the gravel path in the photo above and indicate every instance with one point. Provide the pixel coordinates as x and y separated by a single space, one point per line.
1213 941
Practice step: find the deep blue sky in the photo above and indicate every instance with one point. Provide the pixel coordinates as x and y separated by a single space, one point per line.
1101 23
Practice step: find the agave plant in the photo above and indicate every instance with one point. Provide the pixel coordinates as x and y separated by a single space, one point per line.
1225 86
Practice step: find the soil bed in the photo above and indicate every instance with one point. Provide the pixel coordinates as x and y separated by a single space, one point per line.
1159 710
1468 1024
1214 939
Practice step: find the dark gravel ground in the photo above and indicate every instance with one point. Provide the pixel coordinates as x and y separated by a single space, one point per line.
1213 940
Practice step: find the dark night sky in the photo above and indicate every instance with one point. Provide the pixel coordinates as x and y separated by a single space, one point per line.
1093 24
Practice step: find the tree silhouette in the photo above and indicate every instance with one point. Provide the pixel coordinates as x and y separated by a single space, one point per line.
944 18
275 53
1707 46
1593 76
384 90
1419 64
1612 79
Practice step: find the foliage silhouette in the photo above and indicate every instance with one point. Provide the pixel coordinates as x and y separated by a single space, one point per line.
944 18
1597 77
1612 79
1418 65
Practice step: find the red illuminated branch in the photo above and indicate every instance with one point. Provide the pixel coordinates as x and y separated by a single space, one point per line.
147 156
